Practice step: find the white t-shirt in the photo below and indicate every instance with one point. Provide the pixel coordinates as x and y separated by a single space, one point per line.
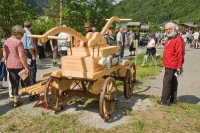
64 43
119 38
151 43
184 37
196 35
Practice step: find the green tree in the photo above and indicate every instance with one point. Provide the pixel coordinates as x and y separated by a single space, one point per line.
13 12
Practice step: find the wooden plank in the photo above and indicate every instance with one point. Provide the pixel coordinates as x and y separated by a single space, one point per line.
93 75
38 90
43 75
58 38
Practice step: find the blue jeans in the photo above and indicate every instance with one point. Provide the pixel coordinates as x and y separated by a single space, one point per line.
122 51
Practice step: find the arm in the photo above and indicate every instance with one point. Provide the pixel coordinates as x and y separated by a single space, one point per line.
51 44
180 51
30 47
23 60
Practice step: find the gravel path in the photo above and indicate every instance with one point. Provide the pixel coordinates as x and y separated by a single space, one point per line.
188 82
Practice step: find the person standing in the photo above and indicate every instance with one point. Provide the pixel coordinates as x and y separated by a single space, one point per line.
54 49
41 47
120 42
151 50
30 52
64 44
16 61
131 42
110 38
196 39
173 59
88 28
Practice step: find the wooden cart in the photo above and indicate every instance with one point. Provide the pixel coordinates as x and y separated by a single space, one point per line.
87 71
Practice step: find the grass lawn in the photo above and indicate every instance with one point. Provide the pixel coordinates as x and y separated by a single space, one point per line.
181 117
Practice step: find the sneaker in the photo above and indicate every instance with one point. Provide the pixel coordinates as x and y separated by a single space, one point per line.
142 65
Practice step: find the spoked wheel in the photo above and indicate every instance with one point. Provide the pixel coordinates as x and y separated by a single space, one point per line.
56 99
107 98
129 80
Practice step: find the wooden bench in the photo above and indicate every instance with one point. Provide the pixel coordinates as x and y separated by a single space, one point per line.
37 89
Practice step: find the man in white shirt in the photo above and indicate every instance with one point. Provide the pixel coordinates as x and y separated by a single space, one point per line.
196 39
64 44
120 42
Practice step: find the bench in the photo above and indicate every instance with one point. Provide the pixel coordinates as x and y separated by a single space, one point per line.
37 89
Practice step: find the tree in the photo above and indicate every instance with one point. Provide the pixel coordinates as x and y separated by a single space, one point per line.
13 12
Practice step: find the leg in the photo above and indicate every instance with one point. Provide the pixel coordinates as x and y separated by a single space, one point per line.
33 71
154 60
40 52
122 51
145 59
174 87
167 85
14 80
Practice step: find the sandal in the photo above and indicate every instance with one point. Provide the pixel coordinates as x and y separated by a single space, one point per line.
17 104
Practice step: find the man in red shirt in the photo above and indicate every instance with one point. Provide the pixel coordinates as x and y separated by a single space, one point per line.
173 58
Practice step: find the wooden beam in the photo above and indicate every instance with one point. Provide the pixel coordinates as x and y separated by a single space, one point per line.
58 38
121 19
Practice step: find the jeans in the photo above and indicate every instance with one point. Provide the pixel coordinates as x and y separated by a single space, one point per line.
41 52
122 51
64 52
33 71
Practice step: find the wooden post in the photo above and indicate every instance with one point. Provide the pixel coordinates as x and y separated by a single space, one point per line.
136 48
61 7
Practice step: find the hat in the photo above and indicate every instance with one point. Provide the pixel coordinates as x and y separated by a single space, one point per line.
112 27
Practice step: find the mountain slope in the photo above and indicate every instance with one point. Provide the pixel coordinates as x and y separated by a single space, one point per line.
158 10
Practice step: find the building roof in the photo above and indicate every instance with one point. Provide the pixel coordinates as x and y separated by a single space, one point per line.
144 27
189 24
133 23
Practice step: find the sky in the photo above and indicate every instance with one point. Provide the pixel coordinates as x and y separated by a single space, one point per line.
118 0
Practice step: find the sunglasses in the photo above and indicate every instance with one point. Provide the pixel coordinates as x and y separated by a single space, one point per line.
87 27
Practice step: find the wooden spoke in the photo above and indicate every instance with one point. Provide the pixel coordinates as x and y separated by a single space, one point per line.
129 80
55 99
107 98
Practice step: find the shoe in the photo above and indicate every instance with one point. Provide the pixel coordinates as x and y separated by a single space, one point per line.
31 98
130 55
133 55
173 102
142 65
11 96
161 103
17 104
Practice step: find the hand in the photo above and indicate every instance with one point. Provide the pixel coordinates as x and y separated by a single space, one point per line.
52 49
26 70
33 57
179 70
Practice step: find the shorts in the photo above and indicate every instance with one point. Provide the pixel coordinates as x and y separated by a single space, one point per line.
55 52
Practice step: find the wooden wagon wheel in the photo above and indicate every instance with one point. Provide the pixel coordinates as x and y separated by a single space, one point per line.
56 99
107 98
129 80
